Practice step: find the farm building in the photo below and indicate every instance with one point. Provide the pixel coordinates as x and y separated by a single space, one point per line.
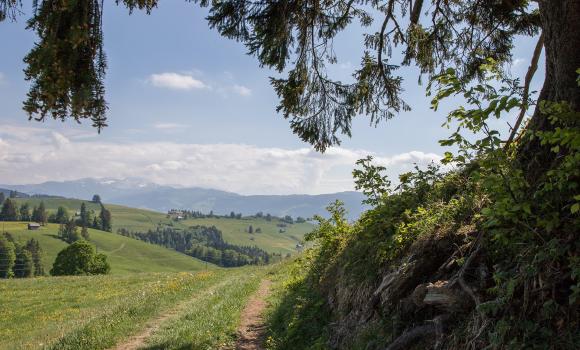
33 226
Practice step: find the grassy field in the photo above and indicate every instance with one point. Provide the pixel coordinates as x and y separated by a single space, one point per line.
97 312
234 230
270 239
126 255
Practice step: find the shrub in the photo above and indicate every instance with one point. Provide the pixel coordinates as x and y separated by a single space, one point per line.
80 258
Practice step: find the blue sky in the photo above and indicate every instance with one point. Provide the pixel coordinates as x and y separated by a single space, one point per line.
172 81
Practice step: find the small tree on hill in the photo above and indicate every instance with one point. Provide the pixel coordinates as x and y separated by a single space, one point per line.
95 224
96 199
39 214
25 212
33 246
2 197
23 264
105 218
61 216
80 258
13 194
9 211
250 229
7 257
69 232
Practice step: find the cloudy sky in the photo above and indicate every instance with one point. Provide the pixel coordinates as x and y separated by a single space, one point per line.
189 108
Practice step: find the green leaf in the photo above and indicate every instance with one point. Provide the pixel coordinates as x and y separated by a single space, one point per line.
575 207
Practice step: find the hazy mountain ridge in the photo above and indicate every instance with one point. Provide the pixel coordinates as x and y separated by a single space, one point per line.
139 193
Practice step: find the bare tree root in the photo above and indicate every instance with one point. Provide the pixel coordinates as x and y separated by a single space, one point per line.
405 340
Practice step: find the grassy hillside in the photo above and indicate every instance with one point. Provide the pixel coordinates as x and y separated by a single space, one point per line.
270 239
234 230
98 312
126 255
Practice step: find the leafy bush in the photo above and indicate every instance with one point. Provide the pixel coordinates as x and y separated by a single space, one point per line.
80 258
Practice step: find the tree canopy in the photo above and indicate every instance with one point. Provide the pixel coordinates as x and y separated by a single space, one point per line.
295 37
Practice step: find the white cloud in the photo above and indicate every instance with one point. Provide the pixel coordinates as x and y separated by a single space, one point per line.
176 81
34 154
169 126
518 62
242 90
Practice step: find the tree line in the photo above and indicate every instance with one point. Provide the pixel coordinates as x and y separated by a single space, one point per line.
196 214
204 243
20 260
85 219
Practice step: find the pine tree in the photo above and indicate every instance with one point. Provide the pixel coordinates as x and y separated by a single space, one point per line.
84 215
7 258
23 264
39 214
61 215
105 219
33 246
25 212
2 197
9 211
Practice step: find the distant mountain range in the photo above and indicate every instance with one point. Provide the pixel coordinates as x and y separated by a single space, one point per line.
142 194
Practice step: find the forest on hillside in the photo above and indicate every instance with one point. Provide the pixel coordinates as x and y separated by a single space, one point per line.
205 243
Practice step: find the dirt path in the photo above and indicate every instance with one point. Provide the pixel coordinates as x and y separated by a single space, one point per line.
252 330
118 249
139 340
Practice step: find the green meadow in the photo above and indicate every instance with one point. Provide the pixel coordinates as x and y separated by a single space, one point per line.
234 230
126 255
98 312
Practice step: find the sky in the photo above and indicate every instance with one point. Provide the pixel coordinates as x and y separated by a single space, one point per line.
190 108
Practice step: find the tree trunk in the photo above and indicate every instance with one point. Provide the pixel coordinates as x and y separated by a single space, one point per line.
561 26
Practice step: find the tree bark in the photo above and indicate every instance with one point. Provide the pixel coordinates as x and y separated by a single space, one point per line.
560 21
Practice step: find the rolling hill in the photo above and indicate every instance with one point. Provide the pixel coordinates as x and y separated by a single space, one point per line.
139 193
126 255
233 230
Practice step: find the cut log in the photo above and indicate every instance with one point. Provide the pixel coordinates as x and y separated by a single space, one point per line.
440 295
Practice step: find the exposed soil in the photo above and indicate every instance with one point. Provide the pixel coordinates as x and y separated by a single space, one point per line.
252 330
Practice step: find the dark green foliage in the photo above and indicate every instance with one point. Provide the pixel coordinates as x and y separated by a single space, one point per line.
25 212
61 216
67 66
96 199
205 243
300 317
68 232
519 232
24 264
436 35
105 219
80 258
9 211
33 246
84 219
39 214
2 197
7 257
